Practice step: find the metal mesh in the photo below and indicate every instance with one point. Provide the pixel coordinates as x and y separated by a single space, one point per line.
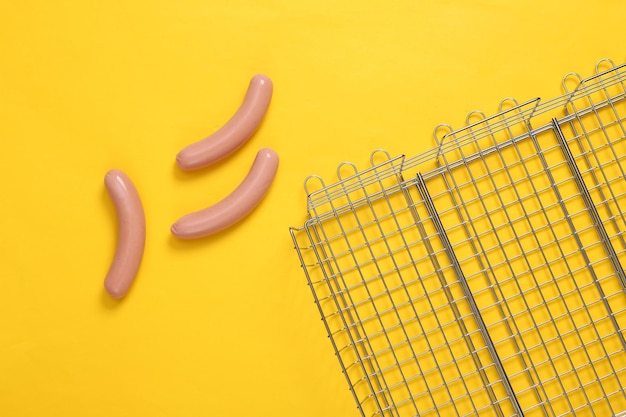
490 281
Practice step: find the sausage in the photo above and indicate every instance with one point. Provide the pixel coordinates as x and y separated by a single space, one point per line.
236 205
131 233
235 132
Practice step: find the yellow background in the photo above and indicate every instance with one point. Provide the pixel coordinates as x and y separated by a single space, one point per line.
223 326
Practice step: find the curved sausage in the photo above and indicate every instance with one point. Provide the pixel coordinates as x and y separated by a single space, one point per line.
235 132
131 233
236 205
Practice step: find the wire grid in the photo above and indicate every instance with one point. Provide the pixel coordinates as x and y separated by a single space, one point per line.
491 284
395 310
597 140
538 270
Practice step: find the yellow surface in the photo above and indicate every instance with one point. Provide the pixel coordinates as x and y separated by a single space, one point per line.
223 326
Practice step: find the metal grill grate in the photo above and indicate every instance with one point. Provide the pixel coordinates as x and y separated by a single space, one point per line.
485 276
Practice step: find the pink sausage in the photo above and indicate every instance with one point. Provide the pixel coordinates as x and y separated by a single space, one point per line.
131 237
236 205
235 132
